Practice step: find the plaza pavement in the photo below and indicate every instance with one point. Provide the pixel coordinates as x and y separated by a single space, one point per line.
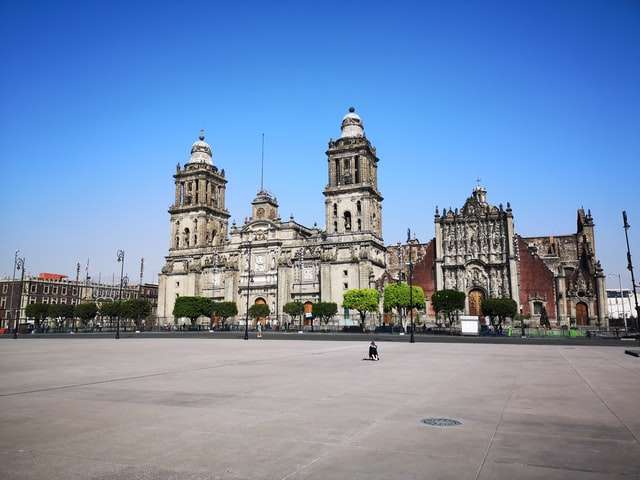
229 409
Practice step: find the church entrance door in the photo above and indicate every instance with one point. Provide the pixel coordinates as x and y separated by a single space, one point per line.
582 314
475 302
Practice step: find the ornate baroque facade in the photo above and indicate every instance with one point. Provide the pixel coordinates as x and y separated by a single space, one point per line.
476 251
287 261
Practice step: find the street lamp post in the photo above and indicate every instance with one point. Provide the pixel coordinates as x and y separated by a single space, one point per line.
19 266
121 261
300 255
630 268
13 281
400 268
246 317
412 339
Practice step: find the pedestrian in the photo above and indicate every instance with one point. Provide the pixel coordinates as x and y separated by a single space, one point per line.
259 330
373 351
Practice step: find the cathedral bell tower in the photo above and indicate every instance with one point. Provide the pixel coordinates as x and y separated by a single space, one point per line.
199 217
353 204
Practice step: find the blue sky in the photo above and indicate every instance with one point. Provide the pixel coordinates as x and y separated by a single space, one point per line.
100 100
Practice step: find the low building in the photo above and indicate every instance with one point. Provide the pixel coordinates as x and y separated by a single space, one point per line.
621 306
55 289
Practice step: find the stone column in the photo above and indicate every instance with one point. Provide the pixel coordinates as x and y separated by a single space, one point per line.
438 259
561 299
513 265
601 294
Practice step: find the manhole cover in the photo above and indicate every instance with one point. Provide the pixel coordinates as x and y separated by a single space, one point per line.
441 422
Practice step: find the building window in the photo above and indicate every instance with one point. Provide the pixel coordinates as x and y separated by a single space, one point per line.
3 302
345 273
46 289
64 290
32 300
63 301
177 284
347 221
55 290
537 308
359 225
54 301
45 300
34 288
345 285
4 288
335 227
75 291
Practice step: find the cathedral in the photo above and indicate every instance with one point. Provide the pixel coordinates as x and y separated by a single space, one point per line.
267 259
272 261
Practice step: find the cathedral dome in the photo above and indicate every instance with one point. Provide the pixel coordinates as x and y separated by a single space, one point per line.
352 125
201 151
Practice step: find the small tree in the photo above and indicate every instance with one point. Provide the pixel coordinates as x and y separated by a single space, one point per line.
447 303
324 311
37 311
136 309
61 312
363 300
259 310
86 312
398 296
191 308
294 309
498 309
111 310
224 310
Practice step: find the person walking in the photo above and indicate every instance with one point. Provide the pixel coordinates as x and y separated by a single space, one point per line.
259 328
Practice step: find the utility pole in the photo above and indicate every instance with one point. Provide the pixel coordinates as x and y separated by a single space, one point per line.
141 276
630 268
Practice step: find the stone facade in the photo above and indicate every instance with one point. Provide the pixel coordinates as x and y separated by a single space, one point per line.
268 259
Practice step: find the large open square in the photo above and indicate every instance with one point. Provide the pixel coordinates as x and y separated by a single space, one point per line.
229 409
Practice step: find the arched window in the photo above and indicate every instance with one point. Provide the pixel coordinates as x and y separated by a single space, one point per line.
177 241
213 235
185 237
359 207
359 224
335 209
347 221
335 227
